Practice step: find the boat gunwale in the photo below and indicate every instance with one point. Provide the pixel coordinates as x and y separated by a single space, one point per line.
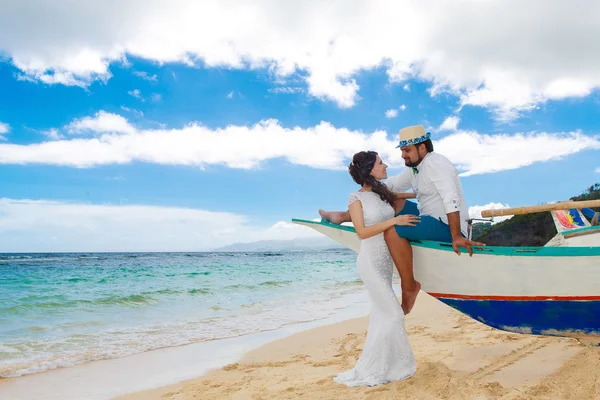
510 251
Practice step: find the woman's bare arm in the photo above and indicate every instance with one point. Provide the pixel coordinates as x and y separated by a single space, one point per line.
365 232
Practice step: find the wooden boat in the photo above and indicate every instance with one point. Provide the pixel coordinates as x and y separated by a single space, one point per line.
548 290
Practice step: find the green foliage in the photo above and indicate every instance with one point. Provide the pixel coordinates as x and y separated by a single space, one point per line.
526 230
592 193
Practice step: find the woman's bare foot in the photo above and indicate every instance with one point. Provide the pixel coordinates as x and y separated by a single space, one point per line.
409 297
335 217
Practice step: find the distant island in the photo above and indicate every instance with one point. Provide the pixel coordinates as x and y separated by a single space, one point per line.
303 244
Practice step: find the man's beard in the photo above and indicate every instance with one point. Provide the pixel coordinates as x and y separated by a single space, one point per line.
409 163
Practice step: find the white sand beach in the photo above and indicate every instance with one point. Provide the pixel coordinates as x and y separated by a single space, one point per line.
458 358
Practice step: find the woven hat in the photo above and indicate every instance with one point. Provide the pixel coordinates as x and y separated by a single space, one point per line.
413 135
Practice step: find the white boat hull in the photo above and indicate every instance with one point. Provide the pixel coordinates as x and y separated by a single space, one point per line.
536 290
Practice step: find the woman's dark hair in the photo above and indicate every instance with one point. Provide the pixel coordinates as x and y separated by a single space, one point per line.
360 170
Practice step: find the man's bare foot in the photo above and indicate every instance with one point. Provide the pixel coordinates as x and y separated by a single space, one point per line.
335 217
409 297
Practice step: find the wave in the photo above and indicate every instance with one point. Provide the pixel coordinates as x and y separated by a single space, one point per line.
346 284
199 291
34 303
39 355
260 285
198 273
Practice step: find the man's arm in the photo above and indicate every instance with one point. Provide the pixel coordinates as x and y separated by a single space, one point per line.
405 195
444 184
400 183
457 239
454 223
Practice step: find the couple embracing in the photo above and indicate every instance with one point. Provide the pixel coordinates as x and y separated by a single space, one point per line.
385 222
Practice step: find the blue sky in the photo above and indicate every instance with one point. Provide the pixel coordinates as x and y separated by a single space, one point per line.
133 139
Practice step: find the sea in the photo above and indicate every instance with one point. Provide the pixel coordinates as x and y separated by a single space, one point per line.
62 310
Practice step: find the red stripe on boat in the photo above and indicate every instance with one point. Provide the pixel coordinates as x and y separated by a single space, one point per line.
514 298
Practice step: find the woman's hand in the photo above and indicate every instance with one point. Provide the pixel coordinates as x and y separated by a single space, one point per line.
406 220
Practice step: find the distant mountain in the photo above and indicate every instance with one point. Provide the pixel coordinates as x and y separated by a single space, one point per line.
305 244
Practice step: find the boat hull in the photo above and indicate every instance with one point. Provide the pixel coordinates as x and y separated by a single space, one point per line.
551 291
569 318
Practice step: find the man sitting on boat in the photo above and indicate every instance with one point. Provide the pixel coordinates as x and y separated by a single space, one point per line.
435 184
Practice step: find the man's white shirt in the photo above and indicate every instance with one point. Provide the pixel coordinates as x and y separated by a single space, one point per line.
437 187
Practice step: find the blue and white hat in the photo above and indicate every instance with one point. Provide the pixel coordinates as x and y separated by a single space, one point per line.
413 135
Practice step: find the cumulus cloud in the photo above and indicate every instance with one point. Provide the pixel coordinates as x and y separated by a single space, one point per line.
322 146
391 113
511 65
112 139
475 211
102 122
450 124
476 153
43 225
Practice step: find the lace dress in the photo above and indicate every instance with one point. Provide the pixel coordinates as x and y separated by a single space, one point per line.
386 355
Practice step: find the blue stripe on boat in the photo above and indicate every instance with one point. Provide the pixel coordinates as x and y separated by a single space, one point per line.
554 318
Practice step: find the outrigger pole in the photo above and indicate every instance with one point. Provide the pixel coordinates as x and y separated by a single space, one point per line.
565 205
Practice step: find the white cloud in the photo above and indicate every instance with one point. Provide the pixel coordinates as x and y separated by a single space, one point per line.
52 134
391 113
510 66
476 153
475 211
598 170
132 110
137 93
102 122
4 128
286 90
117 141
144 75
230 95
406 87
450 124
63 226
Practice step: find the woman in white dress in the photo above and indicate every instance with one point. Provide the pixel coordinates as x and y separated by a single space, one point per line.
386 355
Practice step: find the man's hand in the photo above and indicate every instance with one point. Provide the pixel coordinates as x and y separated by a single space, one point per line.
462 241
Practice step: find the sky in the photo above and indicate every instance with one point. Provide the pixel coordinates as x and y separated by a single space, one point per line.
185 126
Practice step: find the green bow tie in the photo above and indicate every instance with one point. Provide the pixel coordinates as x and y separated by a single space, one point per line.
415 170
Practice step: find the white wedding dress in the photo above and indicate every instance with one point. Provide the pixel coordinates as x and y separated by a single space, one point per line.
386 355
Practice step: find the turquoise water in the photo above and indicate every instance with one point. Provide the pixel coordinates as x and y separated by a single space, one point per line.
59 310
